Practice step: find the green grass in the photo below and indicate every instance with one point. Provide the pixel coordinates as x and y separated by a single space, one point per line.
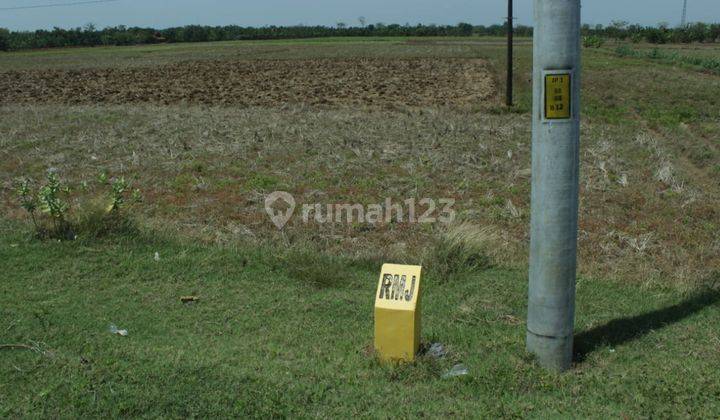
263 341
708 60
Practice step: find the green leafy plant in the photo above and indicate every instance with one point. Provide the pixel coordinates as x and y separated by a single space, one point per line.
103 178
94 215
49 197
51 204
28 200
119 188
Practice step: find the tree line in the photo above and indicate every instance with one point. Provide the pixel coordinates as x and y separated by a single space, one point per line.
660 34
89 35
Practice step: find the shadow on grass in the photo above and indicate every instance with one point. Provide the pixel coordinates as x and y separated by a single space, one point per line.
622 330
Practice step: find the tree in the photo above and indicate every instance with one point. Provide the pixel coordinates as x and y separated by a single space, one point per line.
617 29
362 21
698 32
656 35
464 29
714 32
4 39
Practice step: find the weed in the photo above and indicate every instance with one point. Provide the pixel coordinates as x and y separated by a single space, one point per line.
51 203
28 201
94 216
117 194
462 248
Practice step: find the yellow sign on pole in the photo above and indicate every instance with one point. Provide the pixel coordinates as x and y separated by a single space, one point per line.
397 313
557 96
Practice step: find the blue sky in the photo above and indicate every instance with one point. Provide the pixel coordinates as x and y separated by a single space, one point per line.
165 13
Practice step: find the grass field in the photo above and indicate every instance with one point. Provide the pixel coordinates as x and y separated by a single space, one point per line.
703 57
283 326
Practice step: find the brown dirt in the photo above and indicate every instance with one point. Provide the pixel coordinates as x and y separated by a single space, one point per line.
412 82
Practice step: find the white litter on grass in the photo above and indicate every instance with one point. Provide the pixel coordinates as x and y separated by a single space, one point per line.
457 370
114 330
512 210
436 350
623 180
157 256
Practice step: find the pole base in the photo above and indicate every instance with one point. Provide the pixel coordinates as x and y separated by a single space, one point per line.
552 353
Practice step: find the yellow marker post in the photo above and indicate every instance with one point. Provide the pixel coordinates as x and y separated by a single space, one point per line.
397 313
557 96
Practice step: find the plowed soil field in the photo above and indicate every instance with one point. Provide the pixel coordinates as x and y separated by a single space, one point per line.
413 82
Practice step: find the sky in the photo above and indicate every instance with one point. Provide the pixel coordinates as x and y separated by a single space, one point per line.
166 13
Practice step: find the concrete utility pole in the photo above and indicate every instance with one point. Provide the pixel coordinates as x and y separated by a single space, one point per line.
555 167
509 92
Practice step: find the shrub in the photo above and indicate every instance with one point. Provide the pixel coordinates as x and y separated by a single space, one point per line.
51 203
593 41
656 35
